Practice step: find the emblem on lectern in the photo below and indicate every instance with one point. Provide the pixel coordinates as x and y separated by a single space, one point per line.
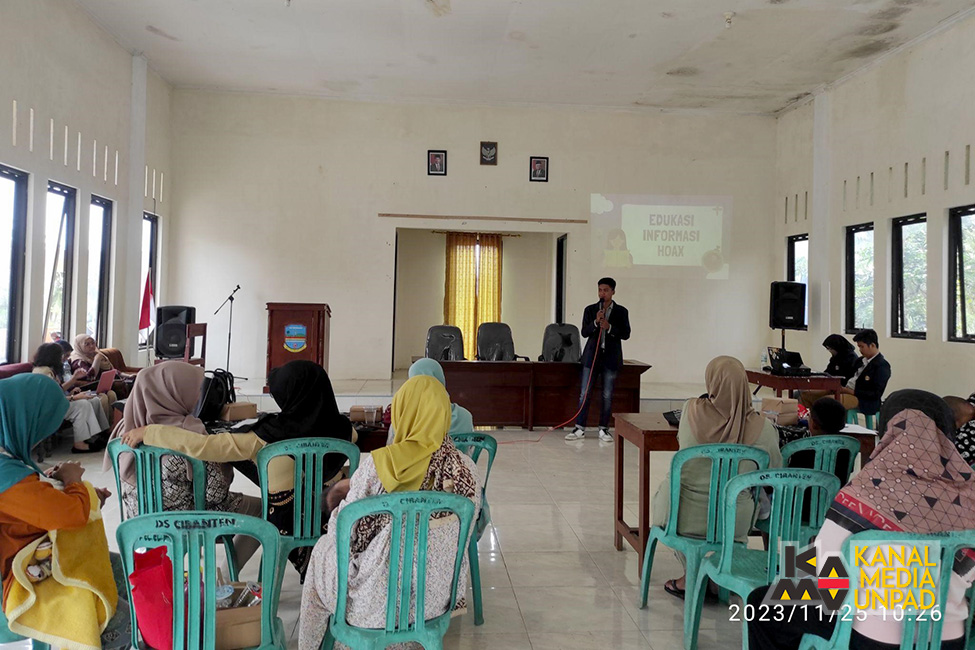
295 338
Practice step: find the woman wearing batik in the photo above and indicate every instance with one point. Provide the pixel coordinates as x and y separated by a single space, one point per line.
308 410
422 457
166 395
916 464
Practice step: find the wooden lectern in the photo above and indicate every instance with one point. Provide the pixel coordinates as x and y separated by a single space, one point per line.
297 330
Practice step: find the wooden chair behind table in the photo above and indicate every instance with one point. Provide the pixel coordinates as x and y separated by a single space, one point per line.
194 620
148 485
194 330
410 527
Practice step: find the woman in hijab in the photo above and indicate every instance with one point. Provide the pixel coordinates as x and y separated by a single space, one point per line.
166 395
460 418
724 415
308 410
843 361
33 503
915 482
422 457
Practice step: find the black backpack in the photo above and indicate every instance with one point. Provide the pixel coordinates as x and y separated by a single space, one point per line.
216 392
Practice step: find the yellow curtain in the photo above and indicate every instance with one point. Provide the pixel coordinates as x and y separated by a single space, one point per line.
460 292
489 280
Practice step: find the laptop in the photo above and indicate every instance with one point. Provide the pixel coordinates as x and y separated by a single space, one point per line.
104 383
787 364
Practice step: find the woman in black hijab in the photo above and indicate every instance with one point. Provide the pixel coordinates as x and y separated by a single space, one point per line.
308 410
842 363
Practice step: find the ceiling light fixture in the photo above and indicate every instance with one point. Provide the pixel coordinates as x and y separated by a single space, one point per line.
727 18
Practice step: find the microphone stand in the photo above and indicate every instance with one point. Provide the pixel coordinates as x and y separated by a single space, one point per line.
230 325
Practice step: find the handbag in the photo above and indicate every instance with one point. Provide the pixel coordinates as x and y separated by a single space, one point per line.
217 391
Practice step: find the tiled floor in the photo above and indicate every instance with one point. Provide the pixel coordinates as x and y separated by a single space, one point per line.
551 575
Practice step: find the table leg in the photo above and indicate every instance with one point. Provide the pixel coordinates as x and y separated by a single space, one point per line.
618 491
643 531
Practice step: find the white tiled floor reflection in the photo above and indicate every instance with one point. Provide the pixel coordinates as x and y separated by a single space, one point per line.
552 579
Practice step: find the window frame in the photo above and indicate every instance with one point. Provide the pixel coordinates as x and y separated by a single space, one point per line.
897 276
790 255
70 209
954 266
850 276
153 220
18 261
104 267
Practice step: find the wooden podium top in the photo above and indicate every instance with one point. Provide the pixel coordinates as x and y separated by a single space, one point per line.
314 306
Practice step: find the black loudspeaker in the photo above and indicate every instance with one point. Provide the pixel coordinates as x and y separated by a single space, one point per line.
787 306
171 322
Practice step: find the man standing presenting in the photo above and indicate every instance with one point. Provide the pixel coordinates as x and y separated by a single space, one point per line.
605 324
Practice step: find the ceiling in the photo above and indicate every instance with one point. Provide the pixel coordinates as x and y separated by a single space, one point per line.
674 54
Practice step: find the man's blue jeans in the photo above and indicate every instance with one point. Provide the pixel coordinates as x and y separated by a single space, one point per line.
609 381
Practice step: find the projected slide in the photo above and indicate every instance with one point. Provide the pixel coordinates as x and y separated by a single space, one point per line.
660 236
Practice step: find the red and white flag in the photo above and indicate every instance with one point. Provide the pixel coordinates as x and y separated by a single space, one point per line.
148 314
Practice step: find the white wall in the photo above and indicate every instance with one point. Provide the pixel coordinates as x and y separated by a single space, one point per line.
913 107
281 195
527 289
57 62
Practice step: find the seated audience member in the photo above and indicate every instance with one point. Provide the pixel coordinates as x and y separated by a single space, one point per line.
422 457
869 381
964 412
88 418
308 410
167 394
87 357
827 417
919 439
460 418
842 363
32 505
74 379
724 415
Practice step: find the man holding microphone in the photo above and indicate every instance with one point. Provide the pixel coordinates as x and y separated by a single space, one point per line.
605 324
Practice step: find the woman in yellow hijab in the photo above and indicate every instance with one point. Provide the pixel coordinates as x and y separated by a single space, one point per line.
422 457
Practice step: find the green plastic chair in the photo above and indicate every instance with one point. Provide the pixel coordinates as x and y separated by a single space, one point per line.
6 636
725 461
410 512
186 534
853 417
309 456
473 444
917 634
148 485
740 569
826 451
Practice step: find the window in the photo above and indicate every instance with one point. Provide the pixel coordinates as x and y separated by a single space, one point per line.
961 274
859 277
13 229
99 267
150 241
909 268
798 264
58 261
560 248
473 286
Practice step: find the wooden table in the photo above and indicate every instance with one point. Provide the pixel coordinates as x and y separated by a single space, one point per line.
649 432
531 394
781 384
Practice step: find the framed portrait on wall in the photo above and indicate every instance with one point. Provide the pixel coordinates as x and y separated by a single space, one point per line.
436 162
538 169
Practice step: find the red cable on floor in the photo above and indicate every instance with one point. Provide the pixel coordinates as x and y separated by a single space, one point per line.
592 375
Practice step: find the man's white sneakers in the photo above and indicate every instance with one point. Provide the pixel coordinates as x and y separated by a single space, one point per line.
604 435
576 434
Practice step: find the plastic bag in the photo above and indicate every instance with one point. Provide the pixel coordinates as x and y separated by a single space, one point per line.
152 597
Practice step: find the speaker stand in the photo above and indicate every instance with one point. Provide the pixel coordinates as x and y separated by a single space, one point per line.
783 333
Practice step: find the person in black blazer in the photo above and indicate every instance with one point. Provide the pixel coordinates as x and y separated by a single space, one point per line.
869 380
603 354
